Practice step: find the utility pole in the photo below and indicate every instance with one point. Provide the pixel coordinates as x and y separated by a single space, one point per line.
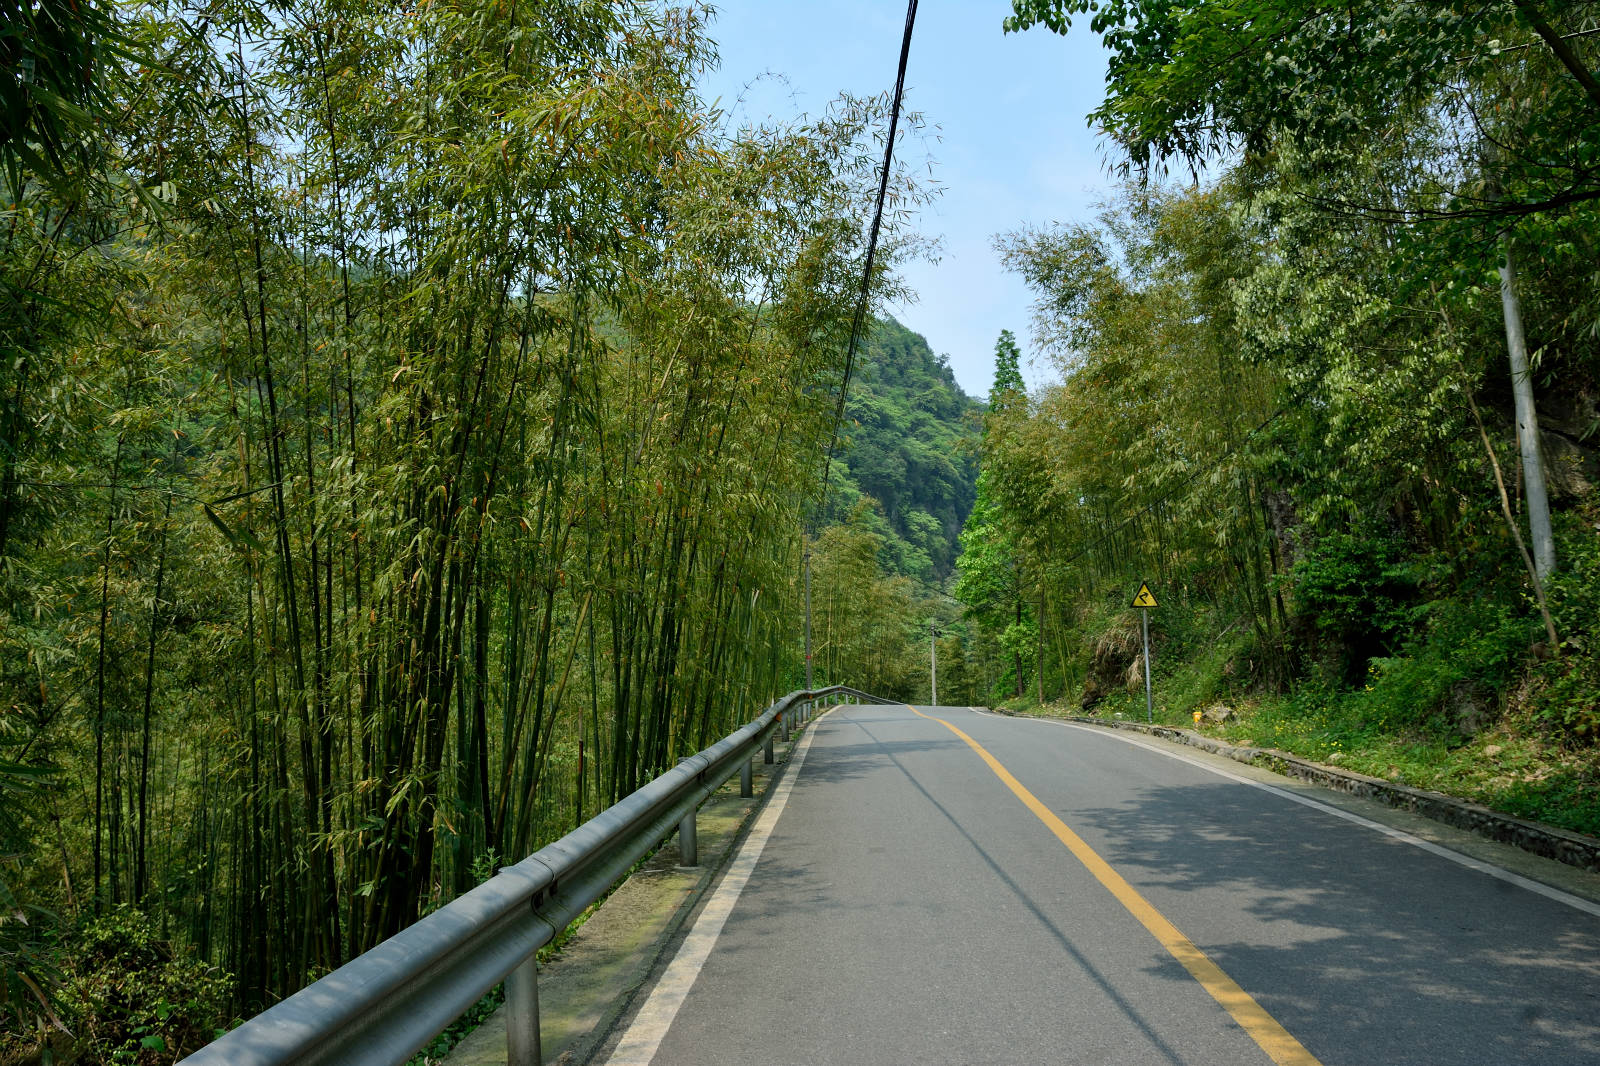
1544 545
933 661
808 619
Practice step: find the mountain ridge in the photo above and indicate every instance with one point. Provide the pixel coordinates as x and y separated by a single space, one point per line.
909 465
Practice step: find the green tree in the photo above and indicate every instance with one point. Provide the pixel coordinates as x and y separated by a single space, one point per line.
990 581
1506 93
1008 388
1197 82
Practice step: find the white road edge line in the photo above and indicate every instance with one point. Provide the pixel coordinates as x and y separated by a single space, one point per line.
1537 888
639 1044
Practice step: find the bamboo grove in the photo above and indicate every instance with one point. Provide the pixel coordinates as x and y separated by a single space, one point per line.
410 414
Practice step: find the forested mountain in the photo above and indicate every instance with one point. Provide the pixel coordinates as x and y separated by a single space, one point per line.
899 490
909 451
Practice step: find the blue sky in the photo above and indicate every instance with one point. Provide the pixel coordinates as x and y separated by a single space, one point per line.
1012 146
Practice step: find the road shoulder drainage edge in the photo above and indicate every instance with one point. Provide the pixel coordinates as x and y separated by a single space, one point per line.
1546 841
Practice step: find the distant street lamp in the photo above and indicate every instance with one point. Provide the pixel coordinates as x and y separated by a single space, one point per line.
808 619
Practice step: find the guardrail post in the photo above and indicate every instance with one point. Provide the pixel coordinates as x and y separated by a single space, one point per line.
746 773
522 1014
766 751
784 721
688 840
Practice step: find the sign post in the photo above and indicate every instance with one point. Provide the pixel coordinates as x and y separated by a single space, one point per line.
1144 601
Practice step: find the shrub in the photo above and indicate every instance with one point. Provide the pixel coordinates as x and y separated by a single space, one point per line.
1574 589
1561 697
1474 642
134 997
1357 592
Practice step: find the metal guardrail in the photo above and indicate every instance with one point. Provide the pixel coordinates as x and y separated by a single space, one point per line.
383 1006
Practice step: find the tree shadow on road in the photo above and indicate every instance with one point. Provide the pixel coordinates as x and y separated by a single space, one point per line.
1355 940
1367 949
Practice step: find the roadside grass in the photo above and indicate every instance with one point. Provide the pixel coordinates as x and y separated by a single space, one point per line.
1405 724
1510 768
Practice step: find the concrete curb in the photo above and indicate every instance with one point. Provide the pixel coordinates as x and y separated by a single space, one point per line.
1574 849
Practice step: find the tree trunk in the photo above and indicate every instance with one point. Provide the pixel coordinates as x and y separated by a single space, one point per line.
141 840
1017 655
1544 544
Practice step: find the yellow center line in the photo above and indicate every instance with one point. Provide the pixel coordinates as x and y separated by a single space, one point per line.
1263 1028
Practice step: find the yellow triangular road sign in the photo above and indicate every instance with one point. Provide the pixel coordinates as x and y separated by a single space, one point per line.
1144 598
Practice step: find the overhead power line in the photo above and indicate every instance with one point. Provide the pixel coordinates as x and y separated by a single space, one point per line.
859 322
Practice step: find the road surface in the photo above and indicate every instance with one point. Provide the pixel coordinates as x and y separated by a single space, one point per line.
944 885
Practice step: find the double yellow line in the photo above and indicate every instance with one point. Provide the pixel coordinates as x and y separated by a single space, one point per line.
1263 1028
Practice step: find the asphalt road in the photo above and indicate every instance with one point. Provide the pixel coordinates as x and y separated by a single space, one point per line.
910 906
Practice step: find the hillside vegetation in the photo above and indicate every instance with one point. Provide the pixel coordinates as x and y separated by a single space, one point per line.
909 459
1336 403
411 415
416 427
885 541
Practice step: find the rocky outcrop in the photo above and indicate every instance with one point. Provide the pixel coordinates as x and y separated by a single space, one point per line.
1115 663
